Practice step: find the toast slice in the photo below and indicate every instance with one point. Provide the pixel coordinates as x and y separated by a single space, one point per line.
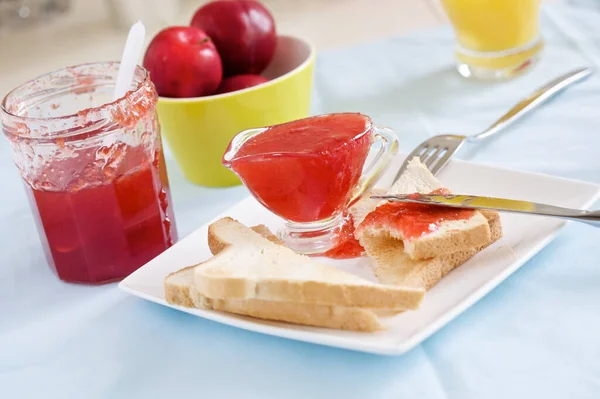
448 237
249 266
390 261
392 265
179 290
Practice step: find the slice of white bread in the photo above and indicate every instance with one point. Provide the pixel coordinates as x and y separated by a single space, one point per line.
249 266
179 290
449 237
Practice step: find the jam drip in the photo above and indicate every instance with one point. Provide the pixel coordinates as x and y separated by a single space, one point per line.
346 246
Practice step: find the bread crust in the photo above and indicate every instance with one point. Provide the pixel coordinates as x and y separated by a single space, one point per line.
454 241
216 244
316 292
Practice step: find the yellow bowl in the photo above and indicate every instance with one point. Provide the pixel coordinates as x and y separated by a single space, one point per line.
198 130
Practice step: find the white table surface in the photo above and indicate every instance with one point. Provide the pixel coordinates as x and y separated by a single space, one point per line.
534 336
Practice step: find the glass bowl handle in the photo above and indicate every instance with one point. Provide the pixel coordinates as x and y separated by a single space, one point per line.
378 165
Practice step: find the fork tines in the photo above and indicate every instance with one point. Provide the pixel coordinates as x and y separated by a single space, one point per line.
434 152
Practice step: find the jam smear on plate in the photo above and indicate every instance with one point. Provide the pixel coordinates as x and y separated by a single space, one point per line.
346 246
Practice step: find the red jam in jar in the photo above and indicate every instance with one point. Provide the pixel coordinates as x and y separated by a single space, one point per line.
96 177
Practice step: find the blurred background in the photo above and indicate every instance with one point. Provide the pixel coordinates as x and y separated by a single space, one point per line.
37 36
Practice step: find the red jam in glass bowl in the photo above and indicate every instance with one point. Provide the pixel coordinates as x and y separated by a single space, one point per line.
304 171
309 170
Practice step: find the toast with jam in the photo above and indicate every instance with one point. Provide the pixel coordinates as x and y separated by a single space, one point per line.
417 245
411 248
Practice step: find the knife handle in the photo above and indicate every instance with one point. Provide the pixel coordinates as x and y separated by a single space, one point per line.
592 218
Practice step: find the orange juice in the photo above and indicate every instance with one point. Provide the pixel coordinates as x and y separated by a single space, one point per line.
496 38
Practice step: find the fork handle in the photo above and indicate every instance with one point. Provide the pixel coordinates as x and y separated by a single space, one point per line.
530 103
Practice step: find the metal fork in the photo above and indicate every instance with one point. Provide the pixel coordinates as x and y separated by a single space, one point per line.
436 151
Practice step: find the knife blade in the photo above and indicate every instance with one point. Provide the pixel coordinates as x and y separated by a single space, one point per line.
496 204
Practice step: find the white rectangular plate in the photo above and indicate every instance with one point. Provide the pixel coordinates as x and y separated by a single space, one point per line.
524 236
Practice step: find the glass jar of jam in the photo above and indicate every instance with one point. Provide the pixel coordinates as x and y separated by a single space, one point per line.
93 169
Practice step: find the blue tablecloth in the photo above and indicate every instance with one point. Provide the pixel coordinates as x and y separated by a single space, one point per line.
537 335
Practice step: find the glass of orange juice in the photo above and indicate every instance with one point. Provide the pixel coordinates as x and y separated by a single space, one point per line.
497 39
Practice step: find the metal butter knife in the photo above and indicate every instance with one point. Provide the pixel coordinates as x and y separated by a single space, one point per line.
498 204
